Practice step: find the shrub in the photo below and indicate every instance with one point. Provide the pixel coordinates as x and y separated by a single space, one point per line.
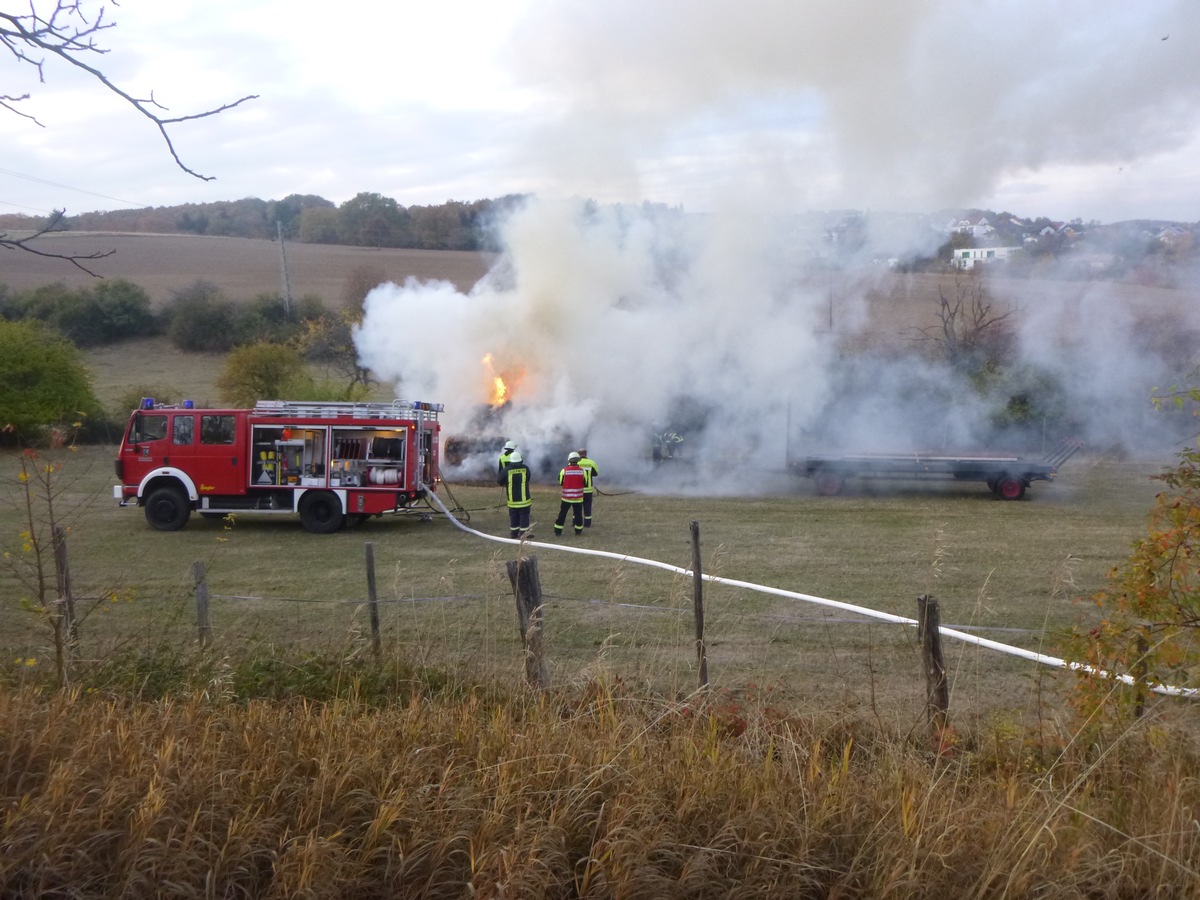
260 372
43 381
202 319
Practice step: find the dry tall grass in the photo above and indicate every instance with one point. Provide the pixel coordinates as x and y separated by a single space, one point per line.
600 793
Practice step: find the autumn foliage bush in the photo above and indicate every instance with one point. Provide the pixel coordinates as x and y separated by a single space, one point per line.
1150 630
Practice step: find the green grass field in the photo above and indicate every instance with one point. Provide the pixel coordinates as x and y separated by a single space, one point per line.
1014 569
285 762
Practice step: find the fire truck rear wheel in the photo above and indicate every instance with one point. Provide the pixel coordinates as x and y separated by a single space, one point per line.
321 512
167 509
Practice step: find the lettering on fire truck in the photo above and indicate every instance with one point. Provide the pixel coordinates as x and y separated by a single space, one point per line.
330 463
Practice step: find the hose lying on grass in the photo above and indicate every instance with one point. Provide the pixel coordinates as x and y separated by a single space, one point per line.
963 636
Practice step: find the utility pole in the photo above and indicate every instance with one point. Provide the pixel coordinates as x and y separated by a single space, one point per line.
286 287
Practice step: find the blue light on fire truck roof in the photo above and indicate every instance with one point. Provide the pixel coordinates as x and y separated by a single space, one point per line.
189 404
147 403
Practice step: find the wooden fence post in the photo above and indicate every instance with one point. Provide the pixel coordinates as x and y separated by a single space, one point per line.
1141 674
698 606
527 588
373 600
62 573
203 622
937 691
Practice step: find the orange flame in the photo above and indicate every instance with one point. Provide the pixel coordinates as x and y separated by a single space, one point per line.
500 383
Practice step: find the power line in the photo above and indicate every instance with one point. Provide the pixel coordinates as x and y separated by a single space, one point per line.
65 187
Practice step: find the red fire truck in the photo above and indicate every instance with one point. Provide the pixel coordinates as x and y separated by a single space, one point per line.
330 462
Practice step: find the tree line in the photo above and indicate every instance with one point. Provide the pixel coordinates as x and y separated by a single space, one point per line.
365 220
303 348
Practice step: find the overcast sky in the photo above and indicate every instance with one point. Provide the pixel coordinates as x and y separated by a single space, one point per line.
1066 109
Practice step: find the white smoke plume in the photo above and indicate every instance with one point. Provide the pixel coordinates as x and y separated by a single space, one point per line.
610 323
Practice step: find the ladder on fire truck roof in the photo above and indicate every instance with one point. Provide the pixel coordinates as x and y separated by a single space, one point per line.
397 409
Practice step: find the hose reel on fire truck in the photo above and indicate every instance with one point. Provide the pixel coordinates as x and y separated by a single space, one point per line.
378 475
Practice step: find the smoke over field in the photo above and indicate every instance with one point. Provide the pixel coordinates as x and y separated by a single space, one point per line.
609 325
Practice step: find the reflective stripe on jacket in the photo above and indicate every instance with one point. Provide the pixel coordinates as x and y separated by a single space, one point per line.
573 480
593 472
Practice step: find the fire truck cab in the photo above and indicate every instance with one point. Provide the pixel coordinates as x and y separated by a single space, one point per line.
331 463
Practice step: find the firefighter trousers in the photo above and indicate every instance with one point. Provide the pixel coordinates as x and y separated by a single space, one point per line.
518 521
587 509
576 510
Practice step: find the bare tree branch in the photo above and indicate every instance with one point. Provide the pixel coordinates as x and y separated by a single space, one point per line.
67 34
54 224
967 325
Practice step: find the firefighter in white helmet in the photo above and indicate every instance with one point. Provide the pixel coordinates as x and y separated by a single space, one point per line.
509 448
515 478
573 479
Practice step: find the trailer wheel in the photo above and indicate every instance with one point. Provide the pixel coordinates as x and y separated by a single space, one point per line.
167 509
1010 487
829 484
320 512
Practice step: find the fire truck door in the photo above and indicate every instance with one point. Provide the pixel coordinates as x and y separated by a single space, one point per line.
220 464
146 446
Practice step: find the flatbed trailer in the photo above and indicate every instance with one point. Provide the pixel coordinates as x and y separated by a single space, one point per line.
1008 477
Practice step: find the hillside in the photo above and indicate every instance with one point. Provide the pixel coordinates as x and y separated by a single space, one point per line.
241 267
893 303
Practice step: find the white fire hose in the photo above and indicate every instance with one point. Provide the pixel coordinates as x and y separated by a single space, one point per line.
963 636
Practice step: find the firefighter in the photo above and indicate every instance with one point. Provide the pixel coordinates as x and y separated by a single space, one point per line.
589 490
573 479
510 447
666 445
515 478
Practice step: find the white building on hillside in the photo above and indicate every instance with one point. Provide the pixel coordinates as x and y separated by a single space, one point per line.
970 257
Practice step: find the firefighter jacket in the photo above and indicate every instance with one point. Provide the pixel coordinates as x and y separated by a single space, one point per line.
592 471
515 479
500 464
573 480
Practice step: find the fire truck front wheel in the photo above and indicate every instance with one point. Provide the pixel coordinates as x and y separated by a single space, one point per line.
167 508
320 512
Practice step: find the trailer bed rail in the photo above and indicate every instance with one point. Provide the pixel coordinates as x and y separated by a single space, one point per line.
1006 475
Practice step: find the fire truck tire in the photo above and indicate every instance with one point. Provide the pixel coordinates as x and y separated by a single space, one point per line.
321 512
167 509
1009 487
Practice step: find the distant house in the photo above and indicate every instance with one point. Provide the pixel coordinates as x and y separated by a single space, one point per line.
976 226
970 257
1173 235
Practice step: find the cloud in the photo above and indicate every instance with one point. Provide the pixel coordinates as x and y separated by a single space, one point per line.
915 105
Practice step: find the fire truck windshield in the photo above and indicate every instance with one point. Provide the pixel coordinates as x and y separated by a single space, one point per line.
149 427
